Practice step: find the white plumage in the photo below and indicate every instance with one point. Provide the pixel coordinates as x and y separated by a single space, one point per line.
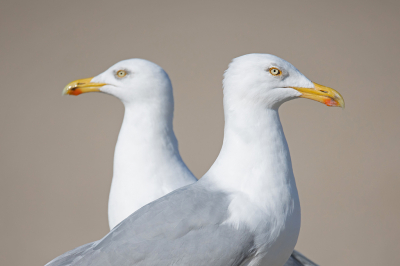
147 163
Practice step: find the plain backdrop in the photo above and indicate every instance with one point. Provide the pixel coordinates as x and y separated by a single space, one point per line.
56 152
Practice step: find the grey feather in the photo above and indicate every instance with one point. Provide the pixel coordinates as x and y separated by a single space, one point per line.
68 257
163 233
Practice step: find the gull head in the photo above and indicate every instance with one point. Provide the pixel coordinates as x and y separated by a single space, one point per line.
269 81
131 80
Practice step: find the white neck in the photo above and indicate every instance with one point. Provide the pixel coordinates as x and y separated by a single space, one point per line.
254 167
254 156
147 163
145 130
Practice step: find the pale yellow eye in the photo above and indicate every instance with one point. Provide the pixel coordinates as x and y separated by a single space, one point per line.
274 71
121 73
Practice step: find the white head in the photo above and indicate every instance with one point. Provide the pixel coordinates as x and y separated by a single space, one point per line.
267 80
133 81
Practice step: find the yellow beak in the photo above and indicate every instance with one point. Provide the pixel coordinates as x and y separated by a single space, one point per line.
80 86
322 94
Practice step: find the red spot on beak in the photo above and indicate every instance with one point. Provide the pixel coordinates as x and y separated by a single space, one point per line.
75 92
330 102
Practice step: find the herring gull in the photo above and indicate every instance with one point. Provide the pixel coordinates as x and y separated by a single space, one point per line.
147 163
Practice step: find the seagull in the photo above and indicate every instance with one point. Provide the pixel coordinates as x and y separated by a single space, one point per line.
147 163
245 210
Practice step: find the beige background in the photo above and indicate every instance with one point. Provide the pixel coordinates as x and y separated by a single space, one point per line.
56 152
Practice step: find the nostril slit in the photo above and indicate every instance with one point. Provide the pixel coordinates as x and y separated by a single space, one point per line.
80 83
323 91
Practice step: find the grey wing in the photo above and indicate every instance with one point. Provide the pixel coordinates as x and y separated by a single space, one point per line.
68 257
184 227
298 259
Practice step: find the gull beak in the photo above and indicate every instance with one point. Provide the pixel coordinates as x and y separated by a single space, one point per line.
322 94
80 86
